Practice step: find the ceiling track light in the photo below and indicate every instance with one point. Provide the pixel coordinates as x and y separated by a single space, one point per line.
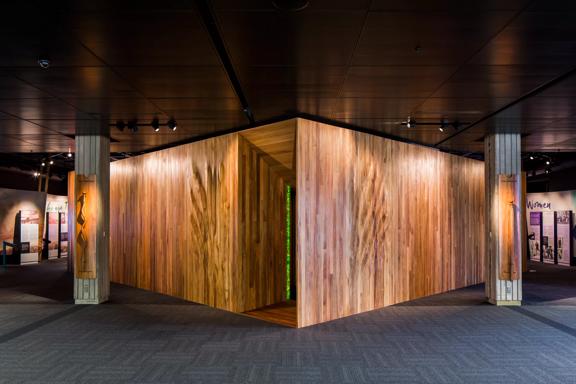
172 124
133 125
155 124
442 124
120 125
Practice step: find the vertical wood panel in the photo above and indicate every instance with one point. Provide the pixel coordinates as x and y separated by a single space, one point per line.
262 228
381 222
174 222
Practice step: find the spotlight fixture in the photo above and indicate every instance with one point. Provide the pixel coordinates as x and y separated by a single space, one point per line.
133 125
547 162
69 154
120 125
51 162
531 157
443 124
155 124
172 124
409 123
547 170
36 174
43 164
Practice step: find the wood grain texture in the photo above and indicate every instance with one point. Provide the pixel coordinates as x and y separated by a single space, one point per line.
71 216
203 221
262 218
509 201
87 211
380 222
174 222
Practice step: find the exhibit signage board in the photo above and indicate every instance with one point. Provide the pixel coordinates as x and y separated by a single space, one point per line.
29 230
563 227
21 216
558 231
535 236
52 235
57 209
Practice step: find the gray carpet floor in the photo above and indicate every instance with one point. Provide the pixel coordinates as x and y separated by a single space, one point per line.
142 337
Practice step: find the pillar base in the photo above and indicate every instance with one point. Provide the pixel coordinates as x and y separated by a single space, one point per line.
89 302
505 303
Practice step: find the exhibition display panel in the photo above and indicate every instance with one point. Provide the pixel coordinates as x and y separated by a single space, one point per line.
552 235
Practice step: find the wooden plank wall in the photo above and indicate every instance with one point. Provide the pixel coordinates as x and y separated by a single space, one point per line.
262 228
380 222
174 222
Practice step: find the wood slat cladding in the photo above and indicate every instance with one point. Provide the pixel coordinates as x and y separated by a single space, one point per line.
278 142
174 222
380 222
262 218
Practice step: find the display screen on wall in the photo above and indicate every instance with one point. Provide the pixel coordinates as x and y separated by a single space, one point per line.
563 240
548 237
535 236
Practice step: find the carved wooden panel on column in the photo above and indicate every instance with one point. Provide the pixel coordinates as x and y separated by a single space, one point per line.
86 208
502 157
509 226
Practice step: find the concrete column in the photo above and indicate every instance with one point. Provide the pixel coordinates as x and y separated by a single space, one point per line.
92 283
502 156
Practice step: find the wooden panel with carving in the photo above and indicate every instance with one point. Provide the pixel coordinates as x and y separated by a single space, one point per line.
86 212
509 201
174 216
380 222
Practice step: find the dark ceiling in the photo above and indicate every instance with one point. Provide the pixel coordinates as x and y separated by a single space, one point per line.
493 64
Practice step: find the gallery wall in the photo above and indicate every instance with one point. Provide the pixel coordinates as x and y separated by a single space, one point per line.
381 222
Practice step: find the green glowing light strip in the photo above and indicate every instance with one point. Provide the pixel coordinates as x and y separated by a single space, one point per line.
288 248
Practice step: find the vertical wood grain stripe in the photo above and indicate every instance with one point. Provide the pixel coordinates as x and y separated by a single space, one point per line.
380 222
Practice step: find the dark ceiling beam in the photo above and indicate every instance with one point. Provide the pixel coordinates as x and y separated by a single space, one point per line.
534 92
207 15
